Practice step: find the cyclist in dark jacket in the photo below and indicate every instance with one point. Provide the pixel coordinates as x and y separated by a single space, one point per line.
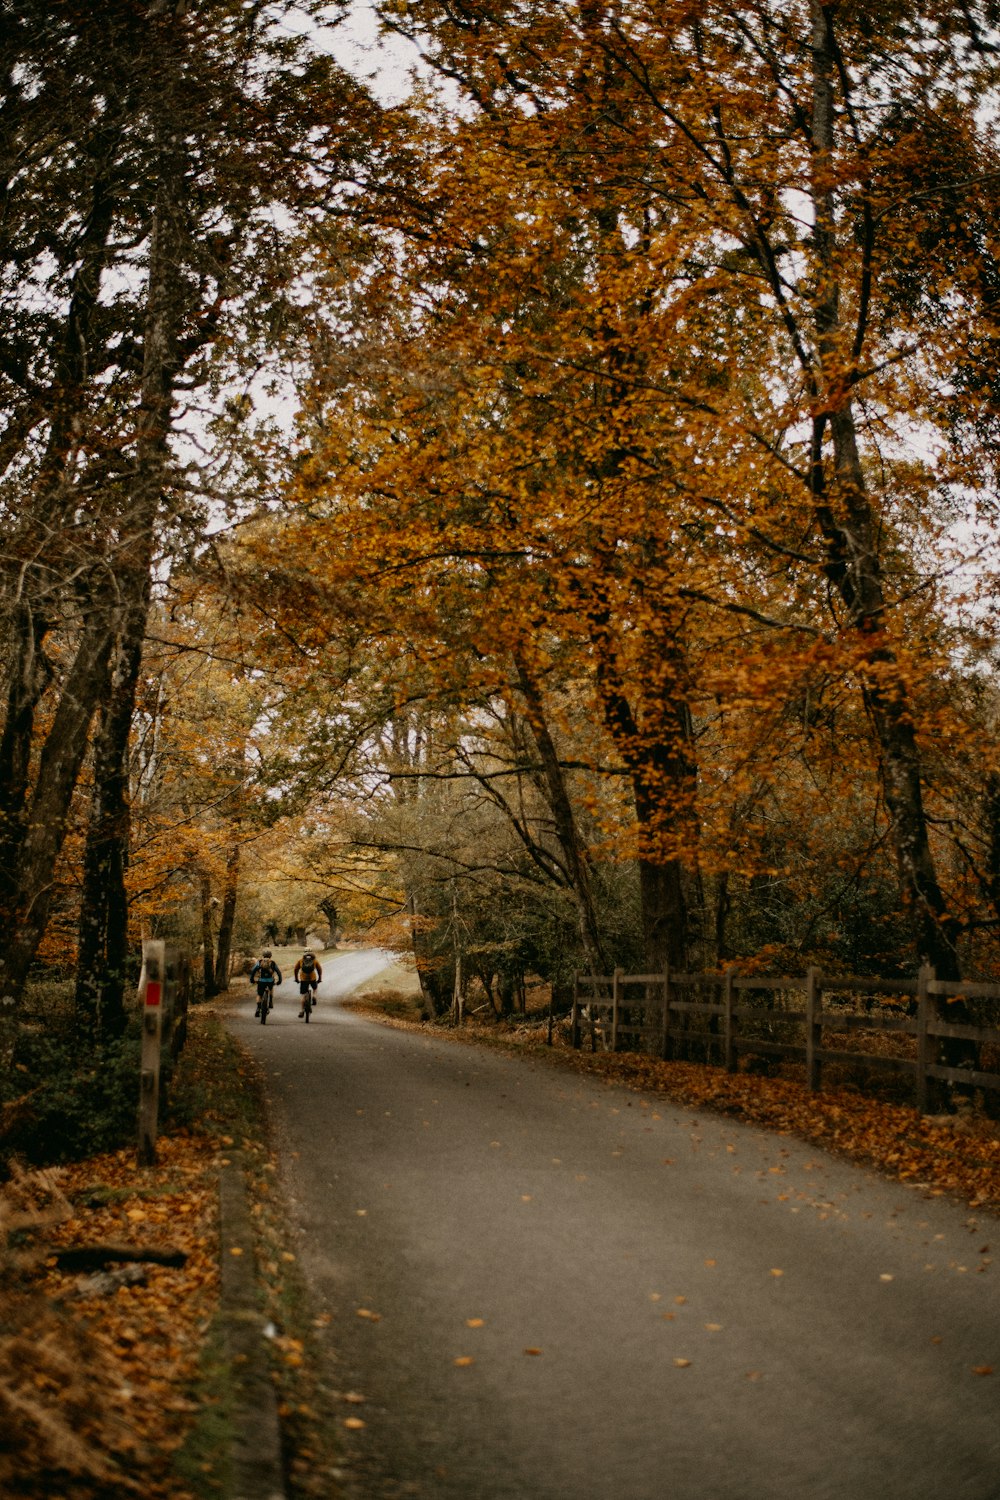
265 974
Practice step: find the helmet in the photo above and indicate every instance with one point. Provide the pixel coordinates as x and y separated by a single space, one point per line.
308 955
266 953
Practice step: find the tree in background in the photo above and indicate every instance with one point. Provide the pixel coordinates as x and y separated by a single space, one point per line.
655 395
154 184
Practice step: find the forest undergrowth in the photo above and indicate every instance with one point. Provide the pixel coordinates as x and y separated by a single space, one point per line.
109 1295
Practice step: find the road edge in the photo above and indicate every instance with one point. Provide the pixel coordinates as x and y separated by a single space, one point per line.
256 1469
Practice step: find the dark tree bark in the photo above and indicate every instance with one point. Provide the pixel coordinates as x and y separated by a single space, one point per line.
103 933
227 918
850 531
661 763
24 914
207 937
561 807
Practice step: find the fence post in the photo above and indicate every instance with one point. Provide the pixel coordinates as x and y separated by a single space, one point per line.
151 990
616 986
924 977
665 1040
574 1033
814 1027
729 1039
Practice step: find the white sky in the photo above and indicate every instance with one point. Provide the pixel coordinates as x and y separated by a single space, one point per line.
381 62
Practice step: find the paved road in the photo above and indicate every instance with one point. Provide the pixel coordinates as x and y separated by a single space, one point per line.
547 1287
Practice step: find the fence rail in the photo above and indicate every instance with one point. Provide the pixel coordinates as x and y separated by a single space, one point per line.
792 1017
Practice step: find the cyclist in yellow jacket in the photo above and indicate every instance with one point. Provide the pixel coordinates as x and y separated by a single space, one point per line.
308 973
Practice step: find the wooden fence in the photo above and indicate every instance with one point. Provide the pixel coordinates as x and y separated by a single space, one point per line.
724 1016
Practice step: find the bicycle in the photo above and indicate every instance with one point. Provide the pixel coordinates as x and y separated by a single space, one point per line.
265 1000
308 997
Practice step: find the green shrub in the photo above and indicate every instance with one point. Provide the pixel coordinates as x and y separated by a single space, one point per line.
75 1101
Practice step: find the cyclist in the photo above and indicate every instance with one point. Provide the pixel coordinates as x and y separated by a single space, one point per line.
308 973
265 974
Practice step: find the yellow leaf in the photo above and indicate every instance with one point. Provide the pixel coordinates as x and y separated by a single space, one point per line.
354 1423
776 1272
465 1359
474 1322
682 1364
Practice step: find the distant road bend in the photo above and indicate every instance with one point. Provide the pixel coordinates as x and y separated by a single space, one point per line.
547 1287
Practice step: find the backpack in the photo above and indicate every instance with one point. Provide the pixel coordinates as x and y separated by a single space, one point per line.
307 965
265 969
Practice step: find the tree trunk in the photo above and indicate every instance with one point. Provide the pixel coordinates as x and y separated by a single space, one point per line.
24 916
33 822
661 763
849 528
103 937
563 817
227 919
29 674
207 937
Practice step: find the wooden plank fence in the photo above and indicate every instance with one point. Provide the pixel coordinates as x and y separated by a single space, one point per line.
796 1017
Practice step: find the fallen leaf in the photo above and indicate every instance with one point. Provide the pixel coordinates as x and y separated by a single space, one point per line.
465 1359
776 1272
531 1351
982 1369
354 1398
474 1322
366 1312
682 1364
354 1423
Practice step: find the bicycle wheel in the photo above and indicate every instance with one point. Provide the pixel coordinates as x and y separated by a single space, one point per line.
265 1006
307 1005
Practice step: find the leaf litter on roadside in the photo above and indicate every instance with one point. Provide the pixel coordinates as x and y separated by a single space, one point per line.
94 1369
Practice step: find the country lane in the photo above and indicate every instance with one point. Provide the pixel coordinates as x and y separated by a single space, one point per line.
547 1287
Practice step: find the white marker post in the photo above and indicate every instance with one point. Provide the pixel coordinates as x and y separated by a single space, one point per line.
151 996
